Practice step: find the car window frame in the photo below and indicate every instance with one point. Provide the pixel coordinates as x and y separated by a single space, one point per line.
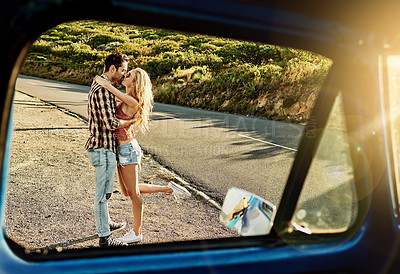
323 104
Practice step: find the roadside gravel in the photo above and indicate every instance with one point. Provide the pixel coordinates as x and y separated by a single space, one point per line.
51 188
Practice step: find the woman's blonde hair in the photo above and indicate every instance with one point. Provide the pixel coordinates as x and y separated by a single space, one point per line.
143 93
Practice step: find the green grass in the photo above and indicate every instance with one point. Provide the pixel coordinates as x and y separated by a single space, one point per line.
189 70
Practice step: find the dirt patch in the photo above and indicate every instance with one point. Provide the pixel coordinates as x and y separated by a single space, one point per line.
51 188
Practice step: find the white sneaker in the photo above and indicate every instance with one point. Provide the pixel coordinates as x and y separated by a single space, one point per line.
131 237
178 190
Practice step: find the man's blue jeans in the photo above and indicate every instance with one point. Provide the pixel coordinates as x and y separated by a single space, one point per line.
105 162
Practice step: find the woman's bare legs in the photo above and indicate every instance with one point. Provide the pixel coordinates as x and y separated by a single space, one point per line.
143 188
128 176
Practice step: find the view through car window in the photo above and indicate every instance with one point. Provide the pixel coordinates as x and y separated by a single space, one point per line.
227 113
331 204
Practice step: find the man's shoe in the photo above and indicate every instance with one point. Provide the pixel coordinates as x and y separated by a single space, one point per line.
116 226
110 241
178 190
131 237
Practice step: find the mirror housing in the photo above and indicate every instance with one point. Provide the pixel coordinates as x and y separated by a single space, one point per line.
247 213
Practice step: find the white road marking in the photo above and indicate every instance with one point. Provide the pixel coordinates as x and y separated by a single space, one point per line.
262 141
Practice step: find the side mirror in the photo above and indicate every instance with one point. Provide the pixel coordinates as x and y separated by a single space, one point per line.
246 213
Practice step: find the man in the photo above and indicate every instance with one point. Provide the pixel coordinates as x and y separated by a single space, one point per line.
101 144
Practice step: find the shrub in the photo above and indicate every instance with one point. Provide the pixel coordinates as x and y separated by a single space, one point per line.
102 39
85 55
175 37
164 64
245 52
130 49
64 42
208 48
194 42
169 61
49 38
109 46
154 34
165 46
41 47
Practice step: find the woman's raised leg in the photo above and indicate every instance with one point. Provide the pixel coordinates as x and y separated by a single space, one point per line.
148 188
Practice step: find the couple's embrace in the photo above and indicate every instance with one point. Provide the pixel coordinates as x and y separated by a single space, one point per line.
112 144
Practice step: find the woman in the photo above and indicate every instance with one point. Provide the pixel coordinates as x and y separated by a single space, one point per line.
138 103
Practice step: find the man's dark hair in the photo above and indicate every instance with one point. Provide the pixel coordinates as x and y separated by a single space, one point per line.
116 58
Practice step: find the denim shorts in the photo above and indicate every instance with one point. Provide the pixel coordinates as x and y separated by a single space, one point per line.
129 154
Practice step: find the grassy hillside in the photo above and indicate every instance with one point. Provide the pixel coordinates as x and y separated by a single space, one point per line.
189 70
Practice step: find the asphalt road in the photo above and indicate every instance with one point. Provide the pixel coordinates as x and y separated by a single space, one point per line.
211 150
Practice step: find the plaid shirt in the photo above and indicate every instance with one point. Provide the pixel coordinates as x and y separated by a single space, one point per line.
102 120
